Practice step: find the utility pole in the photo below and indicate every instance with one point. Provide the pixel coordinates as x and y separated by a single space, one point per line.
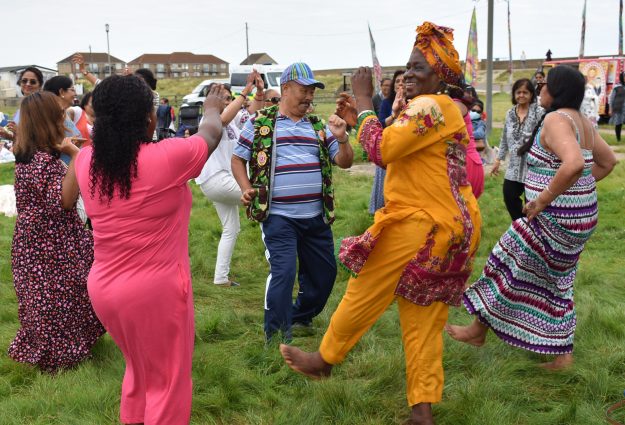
489 69
247 43
510 66
108 48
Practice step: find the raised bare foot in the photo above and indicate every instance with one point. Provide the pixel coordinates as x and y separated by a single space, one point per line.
474 334
309 364
421 414
563 361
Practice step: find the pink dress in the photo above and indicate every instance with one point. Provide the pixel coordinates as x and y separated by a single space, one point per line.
475 169
140 282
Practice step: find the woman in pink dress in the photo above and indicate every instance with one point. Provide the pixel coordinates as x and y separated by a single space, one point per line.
137 197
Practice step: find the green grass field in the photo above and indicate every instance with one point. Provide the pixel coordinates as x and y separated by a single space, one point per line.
238 381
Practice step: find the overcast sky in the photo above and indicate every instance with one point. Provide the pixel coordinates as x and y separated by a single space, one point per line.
323 33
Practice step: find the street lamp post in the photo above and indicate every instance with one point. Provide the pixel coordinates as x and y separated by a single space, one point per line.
108 47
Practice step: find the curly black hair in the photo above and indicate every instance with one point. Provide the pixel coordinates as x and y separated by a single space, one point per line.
121 106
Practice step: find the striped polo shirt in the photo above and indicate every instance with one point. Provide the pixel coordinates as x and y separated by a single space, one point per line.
296 189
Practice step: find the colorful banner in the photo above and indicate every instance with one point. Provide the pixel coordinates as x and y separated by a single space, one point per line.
581 45
471 65
377 69
596 73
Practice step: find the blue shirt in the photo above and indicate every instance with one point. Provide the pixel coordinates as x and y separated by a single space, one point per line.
70 131
296 191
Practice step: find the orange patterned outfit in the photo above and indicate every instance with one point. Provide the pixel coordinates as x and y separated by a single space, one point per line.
421 246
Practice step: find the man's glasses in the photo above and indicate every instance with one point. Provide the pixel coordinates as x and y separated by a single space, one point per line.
274 100
25 81
539 86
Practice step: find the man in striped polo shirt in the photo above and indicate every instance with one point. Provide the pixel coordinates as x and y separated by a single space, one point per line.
295 229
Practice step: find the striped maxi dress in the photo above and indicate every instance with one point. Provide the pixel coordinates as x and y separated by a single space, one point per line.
525 293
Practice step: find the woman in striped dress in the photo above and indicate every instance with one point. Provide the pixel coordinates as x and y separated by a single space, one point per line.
525 293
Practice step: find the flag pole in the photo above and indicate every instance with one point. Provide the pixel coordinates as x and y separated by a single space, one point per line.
581 44
510 67
620 29
489 71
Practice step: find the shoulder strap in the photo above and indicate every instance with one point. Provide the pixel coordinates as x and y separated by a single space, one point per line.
572 122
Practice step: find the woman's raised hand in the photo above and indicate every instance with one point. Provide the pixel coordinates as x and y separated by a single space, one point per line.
78 59
362 82
212 98
400 100
250 82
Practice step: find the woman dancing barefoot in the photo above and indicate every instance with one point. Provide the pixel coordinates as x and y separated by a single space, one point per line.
525 293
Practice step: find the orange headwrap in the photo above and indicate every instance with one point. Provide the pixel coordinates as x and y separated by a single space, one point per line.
436 45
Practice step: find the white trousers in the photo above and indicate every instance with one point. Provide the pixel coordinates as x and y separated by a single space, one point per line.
223 190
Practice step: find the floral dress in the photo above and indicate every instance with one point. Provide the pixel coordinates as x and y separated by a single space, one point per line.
51 257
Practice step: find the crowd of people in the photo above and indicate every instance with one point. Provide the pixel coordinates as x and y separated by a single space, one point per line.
94 183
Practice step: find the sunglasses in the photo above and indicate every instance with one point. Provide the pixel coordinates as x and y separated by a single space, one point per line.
32 82
539 86
274 100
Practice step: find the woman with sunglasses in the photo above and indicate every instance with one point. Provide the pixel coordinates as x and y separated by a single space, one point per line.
216 180
30 81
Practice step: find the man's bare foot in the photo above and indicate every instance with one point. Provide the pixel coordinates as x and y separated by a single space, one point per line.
474 334
309 364
563 361
421 414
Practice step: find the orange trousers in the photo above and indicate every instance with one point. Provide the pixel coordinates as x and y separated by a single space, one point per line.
370 294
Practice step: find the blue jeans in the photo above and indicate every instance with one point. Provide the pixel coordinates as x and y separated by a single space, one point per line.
287 241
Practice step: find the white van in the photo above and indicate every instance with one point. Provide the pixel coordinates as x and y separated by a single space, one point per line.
269 73
197 96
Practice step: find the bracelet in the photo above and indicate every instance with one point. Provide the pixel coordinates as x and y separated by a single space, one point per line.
549 190
366 111
346 140
362 117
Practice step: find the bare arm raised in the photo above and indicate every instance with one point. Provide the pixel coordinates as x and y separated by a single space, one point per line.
210 127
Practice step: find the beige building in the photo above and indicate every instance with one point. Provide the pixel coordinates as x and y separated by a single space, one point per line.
181 65
97 64
259 59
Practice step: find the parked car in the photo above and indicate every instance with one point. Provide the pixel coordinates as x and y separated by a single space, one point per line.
197 96
269 73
